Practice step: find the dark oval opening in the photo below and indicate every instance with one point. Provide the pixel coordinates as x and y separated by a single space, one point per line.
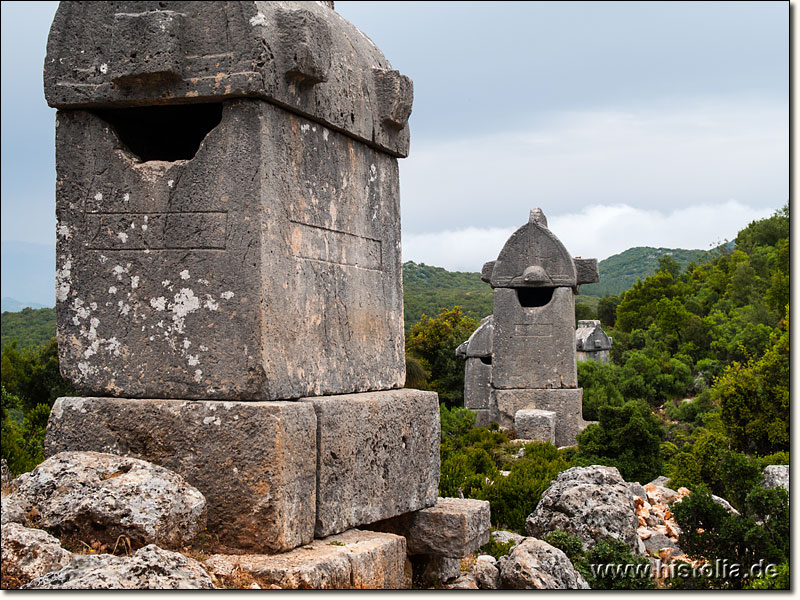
530 297
487 360
167 133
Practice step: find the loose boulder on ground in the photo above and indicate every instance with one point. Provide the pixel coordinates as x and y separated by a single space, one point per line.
536 565
776 476
149 568
29 553
486 572
591 503
95 496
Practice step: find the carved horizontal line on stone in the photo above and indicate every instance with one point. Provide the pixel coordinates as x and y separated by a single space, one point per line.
312 242
196 230
191 80
533 330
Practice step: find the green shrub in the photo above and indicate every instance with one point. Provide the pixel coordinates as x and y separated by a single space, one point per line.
456 421
627 437
569 544
22 443
633 572
779 580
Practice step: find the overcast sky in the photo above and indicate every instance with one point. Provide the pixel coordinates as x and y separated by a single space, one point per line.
631 123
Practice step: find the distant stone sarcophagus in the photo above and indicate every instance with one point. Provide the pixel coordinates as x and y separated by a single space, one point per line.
227 201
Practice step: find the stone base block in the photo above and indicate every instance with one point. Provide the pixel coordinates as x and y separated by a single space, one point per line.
378 456
431 569
255 462
537 425
565 402
350 560
455 527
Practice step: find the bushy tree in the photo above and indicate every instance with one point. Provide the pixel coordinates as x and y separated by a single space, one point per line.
433 342
627 437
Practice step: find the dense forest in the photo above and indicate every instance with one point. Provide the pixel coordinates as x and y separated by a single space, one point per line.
697 389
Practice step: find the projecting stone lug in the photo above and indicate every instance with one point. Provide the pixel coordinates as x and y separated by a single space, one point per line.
565 403
587 270
146 48
305 42
537 216
254 462
395 97
486 271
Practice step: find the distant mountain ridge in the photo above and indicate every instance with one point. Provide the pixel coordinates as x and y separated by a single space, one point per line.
427 288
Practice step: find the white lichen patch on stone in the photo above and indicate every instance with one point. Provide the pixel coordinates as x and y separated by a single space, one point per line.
134 282
210 303
171 183
119 270
159 303
112 289
193 360
127 197
305 127
98 196
104 68
64 281
198 375
186 344
123 237
185 274
62 231
227 295
258 20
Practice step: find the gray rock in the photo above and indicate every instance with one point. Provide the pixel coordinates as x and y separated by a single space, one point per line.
299 55
536 565
255 462
29 553
637 489
566 403
503 537
465 582
378 457
486 572
102 496
776 476
455 527
660 481
659 494
149 568
725 504
350 560
431 569
591 503
168 286
5 477
658 541
536 425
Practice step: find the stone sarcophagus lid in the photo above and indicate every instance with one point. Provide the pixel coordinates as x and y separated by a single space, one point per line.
523 356
227 200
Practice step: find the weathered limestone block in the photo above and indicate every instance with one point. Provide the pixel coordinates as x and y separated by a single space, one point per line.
378 456
534 338
566 403
535 424
455 527
101 496
477 380
149 568
255 462
265 266
536 565
29 553
350 560
301 55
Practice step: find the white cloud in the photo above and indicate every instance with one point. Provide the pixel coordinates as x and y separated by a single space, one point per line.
661 159
596 231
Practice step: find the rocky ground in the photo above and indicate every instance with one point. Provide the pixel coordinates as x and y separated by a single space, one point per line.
87 520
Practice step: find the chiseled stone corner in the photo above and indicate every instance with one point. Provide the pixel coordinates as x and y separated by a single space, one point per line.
255 462
378 456
454 527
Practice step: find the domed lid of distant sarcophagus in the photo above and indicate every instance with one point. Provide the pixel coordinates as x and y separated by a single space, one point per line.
532 257
301 55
